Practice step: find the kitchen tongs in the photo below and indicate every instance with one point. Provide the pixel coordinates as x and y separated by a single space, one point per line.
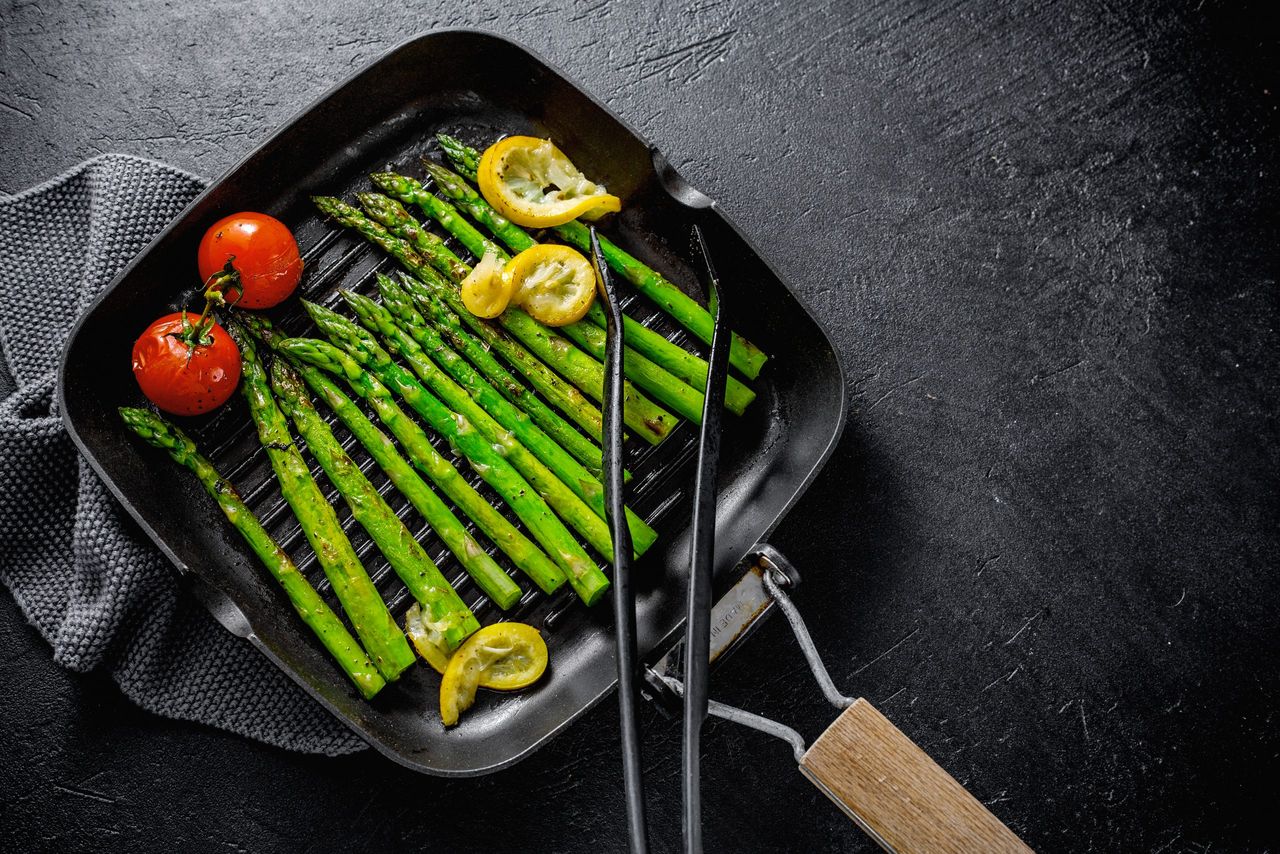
702 553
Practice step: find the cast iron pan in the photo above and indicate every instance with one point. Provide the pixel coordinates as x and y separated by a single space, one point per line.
478 86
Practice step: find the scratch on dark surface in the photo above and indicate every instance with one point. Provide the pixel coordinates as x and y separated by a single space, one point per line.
1047 375
892 389
867 376
1084 722
590 11
85 793
1007 678
986 563
908 637
894 694
1029 621
1181 598
17 110
702 53
1166 846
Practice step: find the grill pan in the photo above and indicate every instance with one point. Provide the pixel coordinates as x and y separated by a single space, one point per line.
475 85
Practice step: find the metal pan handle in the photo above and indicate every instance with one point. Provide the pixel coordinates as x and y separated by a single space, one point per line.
877 776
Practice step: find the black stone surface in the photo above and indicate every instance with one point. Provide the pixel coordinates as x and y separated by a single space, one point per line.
1044 237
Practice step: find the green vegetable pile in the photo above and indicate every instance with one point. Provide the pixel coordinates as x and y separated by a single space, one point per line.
516 399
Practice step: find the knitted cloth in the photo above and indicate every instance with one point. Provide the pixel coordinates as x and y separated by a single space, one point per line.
81 571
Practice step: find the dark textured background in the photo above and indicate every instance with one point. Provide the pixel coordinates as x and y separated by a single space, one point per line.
1045 241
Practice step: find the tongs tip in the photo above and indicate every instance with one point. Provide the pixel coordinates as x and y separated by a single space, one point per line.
710 281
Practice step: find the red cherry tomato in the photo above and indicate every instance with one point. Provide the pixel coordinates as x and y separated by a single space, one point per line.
263 252
182 379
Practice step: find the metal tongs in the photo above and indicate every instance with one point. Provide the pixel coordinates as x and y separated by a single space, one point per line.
702 553
697 631
624 596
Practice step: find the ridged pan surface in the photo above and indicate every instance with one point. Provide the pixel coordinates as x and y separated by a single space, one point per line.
476 86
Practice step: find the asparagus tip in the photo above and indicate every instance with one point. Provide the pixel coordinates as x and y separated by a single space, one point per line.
353 299
133 416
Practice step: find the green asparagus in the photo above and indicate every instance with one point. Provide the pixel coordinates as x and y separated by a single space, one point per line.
400 304
318 616
369 616
546 465
430 294
558 391
672 358
743 355
523 552
487 461
447 614
391 217
463 157
641 414
665 388
489 577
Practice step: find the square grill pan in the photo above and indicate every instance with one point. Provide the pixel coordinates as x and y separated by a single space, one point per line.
477 86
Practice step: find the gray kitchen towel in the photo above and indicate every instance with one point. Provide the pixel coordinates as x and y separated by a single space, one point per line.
81 571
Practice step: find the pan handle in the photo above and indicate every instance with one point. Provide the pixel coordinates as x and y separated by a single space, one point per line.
873 772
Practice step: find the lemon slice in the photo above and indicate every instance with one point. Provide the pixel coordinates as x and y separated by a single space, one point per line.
533 184
486 290
505 656
554 283
429 642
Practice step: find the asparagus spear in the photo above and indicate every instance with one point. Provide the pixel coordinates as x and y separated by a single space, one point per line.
373 623
680 397
393 217
641 414
447 613
327 626
679 362
489 462
535 454
743 355
400 304
522 551
567 503
463 157
489 577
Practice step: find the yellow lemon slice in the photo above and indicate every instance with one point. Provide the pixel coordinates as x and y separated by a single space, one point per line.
428 641
554 283
505 656
530 182
486 290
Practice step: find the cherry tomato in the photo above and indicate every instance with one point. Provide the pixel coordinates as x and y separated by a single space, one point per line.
181 378
261 249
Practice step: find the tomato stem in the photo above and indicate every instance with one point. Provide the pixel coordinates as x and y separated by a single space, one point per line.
197 334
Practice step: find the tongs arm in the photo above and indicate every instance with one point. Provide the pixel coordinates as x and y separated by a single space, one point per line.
702 552
624 597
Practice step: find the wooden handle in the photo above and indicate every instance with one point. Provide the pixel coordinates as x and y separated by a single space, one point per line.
896 793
